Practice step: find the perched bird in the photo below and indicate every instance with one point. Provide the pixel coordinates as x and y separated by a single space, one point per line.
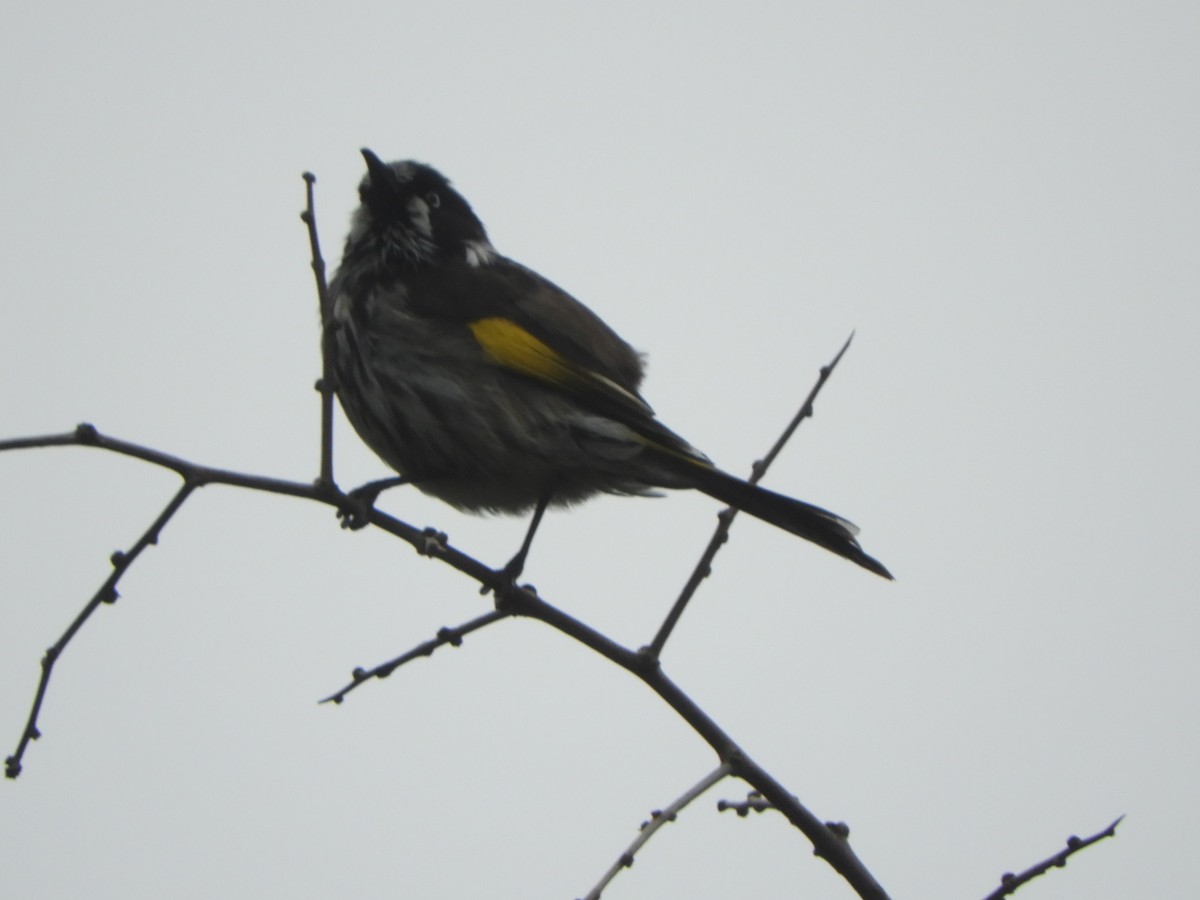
491 388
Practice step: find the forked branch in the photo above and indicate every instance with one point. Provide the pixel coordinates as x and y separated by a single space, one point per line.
829 840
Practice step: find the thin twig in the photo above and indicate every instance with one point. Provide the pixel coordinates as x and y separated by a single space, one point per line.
658 818
86 435
725 518
326 386
106 594
1010 882
427 542
510 599
754 802
451 636
194 476
828 842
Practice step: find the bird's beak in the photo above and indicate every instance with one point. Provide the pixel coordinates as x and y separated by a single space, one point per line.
377 170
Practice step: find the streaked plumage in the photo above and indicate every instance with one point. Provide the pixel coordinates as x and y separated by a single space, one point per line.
493 389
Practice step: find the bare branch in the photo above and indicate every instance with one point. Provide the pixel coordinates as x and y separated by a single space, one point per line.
828 842
451 636
426 541
725 518
658 818
106 594
1010 882
326 385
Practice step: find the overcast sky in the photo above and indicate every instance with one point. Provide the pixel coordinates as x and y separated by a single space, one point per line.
1002 199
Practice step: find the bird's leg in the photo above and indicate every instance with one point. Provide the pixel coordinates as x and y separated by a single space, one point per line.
362 499
512 570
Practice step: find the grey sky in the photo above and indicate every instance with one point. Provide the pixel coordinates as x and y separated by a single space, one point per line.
1001 199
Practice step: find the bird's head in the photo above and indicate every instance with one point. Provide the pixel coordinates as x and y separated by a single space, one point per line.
410 213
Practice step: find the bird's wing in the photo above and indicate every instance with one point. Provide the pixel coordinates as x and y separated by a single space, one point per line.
462 293
528 325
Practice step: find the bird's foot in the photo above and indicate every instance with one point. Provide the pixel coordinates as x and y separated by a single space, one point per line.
356 513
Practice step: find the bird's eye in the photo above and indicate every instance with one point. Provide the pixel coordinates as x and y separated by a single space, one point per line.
433 199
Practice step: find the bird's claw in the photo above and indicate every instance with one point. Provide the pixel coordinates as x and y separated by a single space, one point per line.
355 514
355 511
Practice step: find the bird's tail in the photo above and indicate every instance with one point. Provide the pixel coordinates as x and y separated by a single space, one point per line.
812 523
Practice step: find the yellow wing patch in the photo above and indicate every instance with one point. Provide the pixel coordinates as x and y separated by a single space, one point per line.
510 345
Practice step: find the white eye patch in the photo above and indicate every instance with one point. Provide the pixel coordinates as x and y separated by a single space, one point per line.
418 214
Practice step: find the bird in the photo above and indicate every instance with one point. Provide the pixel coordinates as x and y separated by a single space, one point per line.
484 384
